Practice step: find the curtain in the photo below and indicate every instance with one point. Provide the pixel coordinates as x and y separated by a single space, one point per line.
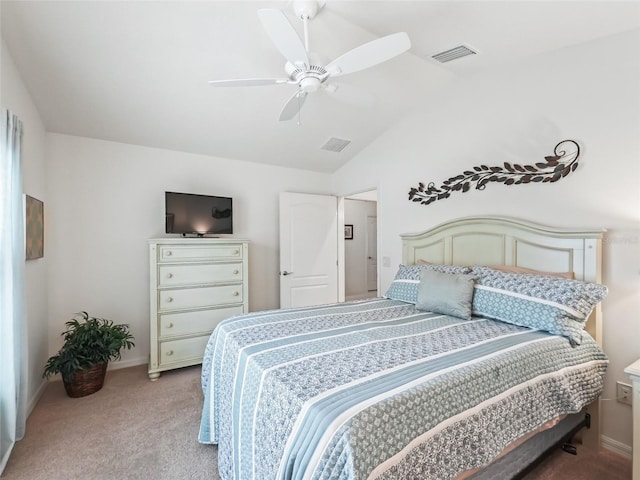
13 350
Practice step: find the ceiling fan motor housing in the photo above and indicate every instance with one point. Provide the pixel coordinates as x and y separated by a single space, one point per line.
305 8
308 79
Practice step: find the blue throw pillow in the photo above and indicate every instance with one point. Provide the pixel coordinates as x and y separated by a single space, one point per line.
554 304
405 285
446 293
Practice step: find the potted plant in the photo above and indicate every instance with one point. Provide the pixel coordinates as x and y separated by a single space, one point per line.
89 344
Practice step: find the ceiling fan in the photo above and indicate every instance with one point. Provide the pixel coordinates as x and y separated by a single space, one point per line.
302 68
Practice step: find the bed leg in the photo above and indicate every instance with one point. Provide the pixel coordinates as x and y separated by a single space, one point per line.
591 436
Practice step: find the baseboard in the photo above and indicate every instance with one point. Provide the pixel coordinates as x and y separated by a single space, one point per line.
616 446
33 401
133 362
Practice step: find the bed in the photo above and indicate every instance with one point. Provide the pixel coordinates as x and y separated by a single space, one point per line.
428 381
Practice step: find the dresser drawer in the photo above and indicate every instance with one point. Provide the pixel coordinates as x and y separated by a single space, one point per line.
195 253
181 274
181 298
186 349
203 321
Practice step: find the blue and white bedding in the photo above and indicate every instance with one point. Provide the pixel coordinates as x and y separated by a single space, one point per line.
380 390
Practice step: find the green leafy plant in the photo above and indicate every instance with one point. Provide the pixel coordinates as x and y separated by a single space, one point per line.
88 341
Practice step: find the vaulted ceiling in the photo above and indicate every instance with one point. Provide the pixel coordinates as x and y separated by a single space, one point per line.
137 71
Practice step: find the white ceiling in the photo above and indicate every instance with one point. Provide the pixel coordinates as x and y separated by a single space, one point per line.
136 71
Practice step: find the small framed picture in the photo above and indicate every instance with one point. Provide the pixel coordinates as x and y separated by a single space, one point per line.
348 232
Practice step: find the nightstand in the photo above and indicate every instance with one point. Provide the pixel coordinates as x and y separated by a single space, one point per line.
633 371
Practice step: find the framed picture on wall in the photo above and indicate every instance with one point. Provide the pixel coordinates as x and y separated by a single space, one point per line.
34 228
348 232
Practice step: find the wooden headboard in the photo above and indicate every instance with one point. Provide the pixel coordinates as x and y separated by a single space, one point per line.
503 241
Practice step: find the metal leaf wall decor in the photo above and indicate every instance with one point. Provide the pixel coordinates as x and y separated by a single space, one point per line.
555 167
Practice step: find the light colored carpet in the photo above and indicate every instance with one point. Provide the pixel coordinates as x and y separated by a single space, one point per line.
137 429
131 429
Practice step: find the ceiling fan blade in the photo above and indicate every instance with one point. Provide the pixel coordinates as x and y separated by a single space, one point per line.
247 82
284 36
350 94
370 54
293 105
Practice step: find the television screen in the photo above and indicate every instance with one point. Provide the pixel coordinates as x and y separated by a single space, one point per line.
199 214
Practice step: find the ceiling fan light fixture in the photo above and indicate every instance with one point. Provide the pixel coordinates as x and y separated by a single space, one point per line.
310 84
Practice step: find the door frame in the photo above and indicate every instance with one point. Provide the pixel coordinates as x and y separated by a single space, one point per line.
359 195
341 258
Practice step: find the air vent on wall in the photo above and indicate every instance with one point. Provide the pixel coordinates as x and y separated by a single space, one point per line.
453 54
335 144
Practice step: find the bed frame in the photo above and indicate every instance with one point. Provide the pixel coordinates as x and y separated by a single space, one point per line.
503 241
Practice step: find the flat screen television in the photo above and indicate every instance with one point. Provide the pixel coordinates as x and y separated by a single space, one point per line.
188 213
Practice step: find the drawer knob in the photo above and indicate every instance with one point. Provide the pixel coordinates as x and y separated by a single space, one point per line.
169 353
236 252
168 253
169 325
235 272
169 275
169 299
236 293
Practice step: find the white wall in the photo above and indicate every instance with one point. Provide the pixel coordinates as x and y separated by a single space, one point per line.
16 98
589 93
107 199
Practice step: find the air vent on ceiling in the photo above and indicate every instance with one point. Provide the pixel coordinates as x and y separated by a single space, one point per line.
453 54
335 144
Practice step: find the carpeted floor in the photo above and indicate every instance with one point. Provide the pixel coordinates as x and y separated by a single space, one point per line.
137 429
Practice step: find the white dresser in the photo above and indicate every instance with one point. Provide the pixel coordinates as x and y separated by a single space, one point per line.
195 283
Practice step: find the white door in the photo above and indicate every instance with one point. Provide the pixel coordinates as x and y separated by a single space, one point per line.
308 249
372 253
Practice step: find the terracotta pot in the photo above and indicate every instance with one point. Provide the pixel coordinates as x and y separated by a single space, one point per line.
86 382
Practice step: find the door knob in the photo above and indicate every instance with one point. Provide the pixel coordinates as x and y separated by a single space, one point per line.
286 273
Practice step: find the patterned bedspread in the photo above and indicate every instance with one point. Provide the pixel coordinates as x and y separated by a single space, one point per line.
378 389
